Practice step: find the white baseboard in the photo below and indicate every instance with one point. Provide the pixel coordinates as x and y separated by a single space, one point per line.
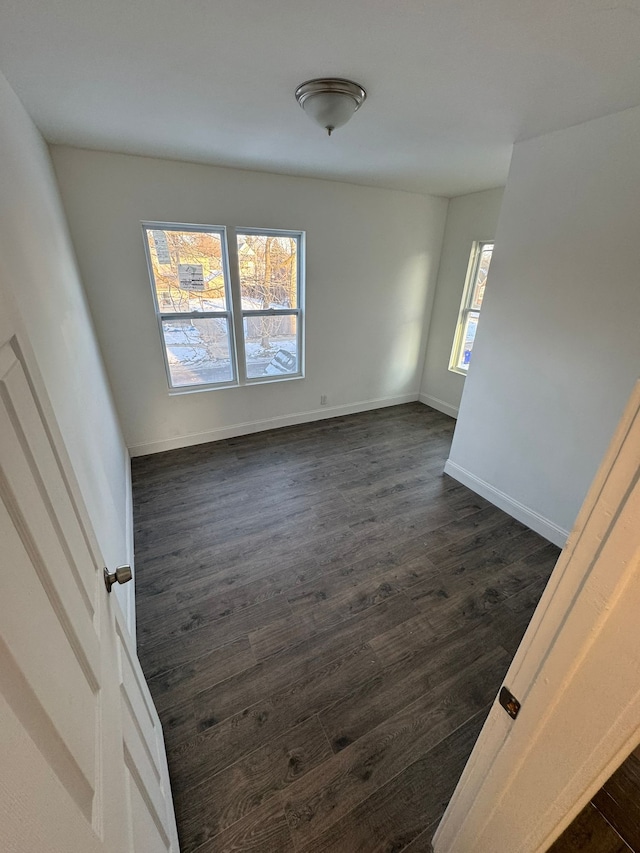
248 427
553 532
438 404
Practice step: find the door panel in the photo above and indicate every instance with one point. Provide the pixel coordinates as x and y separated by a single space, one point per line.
81 741
35 559
143 748
34 810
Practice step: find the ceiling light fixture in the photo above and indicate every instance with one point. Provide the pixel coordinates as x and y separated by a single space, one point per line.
330 101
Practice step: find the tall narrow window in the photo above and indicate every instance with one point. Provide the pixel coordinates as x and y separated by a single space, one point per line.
269 264
470 307
197 295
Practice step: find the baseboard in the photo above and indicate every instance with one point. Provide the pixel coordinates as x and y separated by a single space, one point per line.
249 427
438 404
517 510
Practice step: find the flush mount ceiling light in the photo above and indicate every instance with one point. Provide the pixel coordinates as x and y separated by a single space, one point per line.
330 101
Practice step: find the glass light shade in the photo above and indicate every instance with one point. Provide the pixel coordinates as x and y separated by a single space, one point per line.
330 109
330 101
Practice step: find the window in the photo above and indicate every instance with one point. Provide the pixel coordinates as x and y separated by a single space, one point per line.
269 273
470 308
228 314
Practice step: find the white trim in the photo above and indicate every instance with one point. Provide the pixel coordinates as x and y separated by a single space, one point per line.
233 315
544 526
459 371
269 423
130 588
440 405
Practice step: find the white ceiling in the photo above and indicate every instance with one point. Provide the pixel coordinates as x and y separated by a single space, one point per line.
452 83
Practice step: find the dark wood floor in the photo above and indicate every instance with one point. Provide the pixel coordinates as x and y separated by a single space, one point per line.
611 821
324 619
590 832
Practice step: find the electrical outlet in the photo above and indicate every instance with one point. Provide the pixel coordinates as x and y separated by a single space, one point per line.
323 400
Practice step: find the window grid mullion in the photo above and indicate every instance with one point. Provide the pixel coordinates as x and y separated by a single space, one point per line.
270 312
236 303
194 315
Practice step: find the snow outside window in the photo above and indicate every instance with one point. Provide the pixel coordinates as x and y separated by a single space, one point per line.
228 303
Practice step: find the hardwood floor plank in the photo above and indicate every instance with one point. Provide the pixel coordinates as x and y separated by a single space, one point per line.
210 668
476 551
326 685
405 806
296 662
619 800
361 540
400 568
264 830
404 641
465 502
356 599
422 843
453 599
421 666
221 800
243 588
333 584
178 721
207 752
313 804
470 523
512 617
277 635
226 742
590 833
197 635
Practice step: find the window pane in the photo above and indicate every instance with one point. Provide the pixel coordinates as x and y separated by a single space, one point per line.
482 271
268 271
188 270
271 345
198 351
470 328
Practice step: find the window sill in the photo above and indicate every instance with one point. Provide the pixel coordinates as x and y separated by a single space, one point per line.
459 371
199 389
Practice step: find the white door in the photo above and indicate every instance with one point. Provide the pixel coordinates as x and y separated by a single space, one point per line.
82 762
576 673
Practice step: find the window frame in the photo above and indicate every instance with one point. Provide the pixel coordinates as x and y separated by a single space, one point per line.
234 315
466 309
298 311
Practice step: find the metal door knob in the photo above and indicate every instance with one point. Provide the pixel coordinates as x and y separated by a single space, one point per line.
122 574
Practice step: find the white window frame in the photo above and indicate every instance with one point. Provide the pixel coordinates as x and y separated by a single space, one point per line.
297 312
466 308
234 314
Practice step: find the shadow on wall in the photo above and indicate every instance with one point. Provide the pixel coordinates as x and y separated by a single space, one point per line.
406 353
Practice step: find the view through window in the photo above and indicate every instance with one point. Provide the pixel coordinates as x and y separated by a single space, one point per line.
268 265
226 324
467 326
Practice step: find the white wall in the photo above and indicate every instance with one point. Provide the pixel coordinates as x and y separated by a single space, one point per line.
41 299
470 217
372 258
558 348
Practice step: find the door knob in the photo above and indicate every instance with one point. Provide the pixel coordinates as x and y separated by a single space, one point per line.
122 574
